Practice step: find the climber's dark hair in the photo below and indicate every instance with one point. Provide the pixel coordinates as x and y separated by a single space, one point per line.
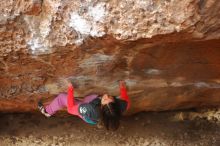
110 115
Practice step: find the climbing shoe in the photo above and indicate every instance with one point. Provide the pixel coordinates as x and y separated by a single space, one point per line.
42 109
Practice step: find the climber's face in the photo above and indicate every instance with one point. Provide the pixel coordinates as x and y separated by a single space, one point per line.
106 99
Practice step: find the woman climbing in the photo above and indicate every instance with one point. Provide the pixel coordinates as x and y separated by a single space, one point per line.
92 109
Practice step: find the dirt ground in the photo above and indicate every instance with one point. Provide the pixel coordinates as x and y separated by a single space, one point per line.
143 129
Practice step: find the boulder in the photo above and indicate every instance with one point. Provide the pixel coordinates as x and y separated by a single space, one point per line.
166 51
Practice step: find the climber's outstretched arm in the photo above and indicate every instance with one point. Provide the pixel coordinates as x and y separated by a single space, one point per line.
71 106
123 93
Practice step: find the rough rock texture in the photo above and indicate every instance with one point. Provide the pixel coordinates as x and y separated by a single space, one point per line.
167 51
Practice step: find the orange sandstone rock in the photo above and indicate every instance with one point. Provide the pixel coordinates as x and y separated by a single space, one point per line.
166 51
